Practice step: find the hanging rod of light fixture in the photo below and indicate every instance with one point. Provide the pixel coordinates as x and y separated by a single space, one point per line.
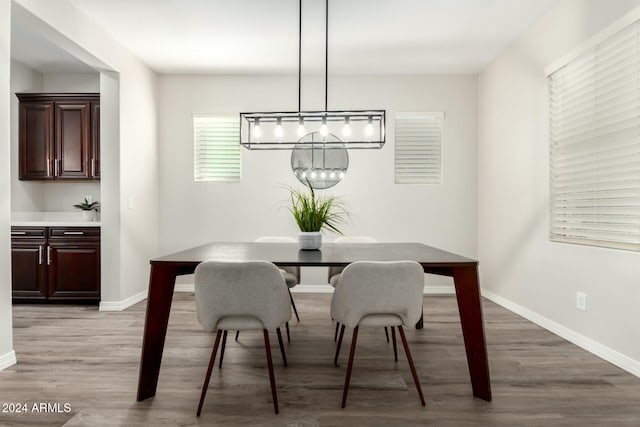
283 130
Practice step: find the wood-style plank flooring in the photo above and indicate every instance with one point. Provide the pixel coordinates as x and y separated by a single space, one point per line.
89 359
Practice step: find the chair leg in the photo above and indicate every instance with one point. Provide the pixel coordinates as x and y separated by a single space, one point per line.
284 356
293 304
288 336
335 336
272 379
207 377
237 334
349 367
395 348
224 344
411 365
386 333
335 359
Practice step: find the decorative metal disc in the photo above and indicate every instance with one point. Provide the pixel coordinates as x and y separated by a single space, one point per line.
323 165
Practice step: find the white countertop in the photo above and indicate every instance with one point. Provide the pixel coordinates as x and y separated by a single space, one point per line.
51 219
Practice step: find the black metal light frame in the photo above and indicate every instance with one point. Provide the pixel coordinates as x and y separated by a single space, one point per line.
377 118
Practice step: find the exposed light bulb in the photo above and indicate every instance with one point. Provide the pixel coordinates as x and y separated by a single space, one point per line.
332 175
341 174
368 130
323 174
324 131
257 131
301 130
278 131
313 174
346 129
303 174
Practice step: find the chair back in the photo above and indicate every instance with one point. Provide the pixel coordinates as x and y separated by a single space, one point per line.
349 239
375 287
251 288
282 239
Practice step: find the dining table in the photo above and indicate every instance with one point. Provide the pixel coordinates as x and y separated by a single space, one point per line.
165 269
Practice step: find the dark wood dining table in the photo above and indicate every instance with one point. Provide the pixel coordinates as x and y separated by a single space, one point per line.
464 271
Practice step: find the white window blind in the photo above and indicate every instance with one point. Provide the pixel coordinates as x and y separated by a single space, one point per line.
418 148
595 145
216 148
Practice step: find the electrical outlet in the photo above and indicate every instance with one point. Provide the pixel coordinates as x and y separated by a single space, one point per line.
581 301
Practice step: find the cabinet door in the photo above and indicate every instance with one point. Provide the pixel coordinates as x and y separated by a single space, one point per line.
95 139
72 143
74 272
28 270
36 140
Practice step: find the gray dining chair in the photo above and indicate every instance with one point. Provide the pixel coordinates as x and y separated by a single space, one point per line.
378 294
291 274
334 272
241 296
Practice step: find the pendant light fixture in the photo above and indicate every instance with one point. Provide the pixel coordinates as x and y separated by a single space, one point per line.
284 130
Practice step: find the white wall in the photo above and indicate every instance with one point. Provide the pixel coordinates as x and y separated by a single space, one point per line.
7 356
25 195
71 82
518 263
132 169
440 215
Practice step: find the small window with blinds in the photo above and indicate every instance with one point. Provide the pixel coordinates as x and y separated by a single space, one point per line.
216 148
418 148
595 145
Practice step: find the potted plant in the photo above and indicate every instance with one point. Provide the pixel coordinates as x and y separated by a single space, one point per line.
316 213
88 209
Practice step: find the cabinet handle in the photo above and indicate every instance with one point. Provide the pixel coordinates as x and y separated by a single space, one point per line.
73 233
48 166
55 166
93 167
18 233
48 255
40 254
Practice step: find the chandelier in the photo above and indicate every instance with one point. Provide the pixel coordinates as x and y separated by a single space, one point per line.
285 130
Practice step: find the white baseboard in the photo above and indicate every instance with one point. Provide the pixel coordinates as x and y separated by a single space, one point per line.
7 360
620 360
183 287
121 305
328 289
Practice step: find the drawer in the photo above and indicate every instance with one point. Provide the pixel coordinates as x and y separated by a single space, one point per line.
28 232
74 232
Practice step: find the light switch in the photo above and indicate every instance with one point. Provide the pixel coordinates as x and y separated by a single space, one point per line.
130 203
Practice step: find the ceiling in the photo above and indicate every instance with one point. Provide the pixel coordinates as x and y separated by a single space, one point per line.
34 49
365 36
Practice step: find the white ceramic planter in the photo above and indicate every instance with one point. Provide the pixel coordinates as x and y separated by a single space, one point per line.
89 215
310 241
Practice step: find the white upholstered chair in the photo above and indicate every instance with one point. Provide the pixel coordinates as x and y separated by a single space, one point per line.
378 294
334 272
241 296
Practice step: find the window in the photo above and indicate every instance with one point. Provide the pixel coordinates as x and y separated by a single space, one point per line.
418 148
216 148
595 145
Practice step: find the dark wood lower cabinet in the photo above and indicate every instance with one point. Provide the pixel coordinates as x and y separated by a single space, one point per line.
63 267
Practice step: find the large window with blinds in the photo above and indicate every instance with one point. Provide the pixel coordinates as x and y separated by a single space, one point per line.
216 148
595 144
418 147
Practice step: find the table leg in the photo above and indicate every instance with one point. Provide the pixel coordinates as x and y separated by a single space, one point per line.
161 283
470 307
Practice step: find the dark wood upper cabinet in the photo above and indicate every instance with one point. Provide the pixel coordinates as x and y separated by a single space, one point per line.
59 136
36 139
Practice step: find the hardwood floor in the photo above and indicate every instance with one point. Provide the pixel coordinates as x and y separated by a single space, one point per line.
89 359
